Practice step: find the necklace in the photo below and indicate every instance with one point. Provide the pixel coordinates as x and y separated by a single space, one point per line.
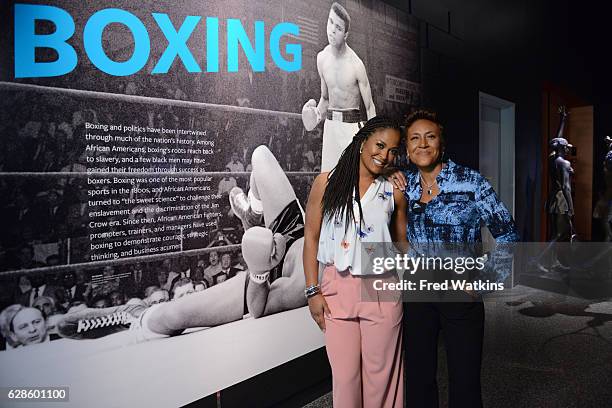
429 186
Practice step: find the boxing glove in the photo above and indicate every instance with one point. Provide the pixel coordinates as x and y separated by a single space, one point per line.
311 116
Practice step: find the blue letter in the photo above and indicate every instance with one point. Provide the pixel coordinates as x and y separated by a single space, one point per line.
26 41
177 43
92 39
235 35
212 44
291 49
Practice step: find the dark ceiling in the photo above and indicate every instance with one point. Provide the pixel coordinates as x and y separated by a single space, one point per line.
562 41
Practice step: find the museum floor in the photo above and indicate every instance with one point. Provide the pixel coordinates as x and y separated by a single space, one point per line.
542 350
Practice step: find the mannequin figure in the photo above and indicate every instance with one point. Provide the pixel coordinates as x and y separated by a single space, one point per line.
560 204
603 208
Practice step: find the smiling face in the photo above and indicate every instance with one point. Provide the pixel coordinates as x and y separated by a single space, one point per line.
213 258
380 149
29 326
336 30
425 144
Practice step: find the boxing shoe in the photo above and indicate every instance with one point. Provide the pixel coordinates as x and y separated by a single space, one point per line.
241 206
94 323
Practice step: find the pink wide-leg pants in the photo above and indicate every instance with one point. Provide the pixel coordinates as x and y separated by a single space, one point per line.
364 344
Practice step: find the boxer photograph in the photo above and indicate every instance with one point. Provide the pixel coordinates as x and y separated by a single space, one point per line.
344 84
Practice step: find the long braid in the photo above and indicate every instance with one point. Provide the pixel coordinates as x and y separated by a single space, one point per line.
343 184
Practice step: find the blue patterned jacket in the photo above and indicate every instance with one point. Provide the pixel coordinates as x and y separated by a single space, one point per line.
454 216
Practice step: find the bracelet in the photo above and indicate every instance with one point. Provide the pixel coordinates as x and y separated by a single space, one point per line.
311 291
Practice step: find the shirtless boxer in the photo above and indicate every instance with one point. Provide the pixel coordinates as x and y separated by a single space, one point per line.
344 82
274 281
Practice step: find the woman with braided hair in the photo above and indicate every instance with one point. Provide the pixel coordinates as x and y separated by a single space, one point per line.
350 208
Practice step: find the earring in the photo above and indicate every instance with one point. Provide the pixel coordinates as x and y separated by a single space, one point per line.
361 149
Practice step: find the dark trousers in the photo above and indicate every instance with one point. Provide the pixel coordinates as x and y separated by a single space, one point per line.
462 325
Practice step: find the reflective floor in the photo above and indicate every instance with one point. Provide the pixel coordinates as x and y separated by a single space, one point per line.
542 350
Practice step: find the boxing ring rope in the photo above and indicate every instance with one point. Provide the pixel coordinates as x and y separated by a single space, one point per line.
113 97
67 174
106 96
113 262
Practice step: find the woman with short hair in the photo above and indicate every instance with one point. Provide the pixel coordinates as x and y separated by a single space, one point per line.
447 203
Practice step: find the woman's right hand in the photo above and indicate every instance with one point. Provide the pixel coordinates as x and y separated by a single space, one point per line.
398 179
318 310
